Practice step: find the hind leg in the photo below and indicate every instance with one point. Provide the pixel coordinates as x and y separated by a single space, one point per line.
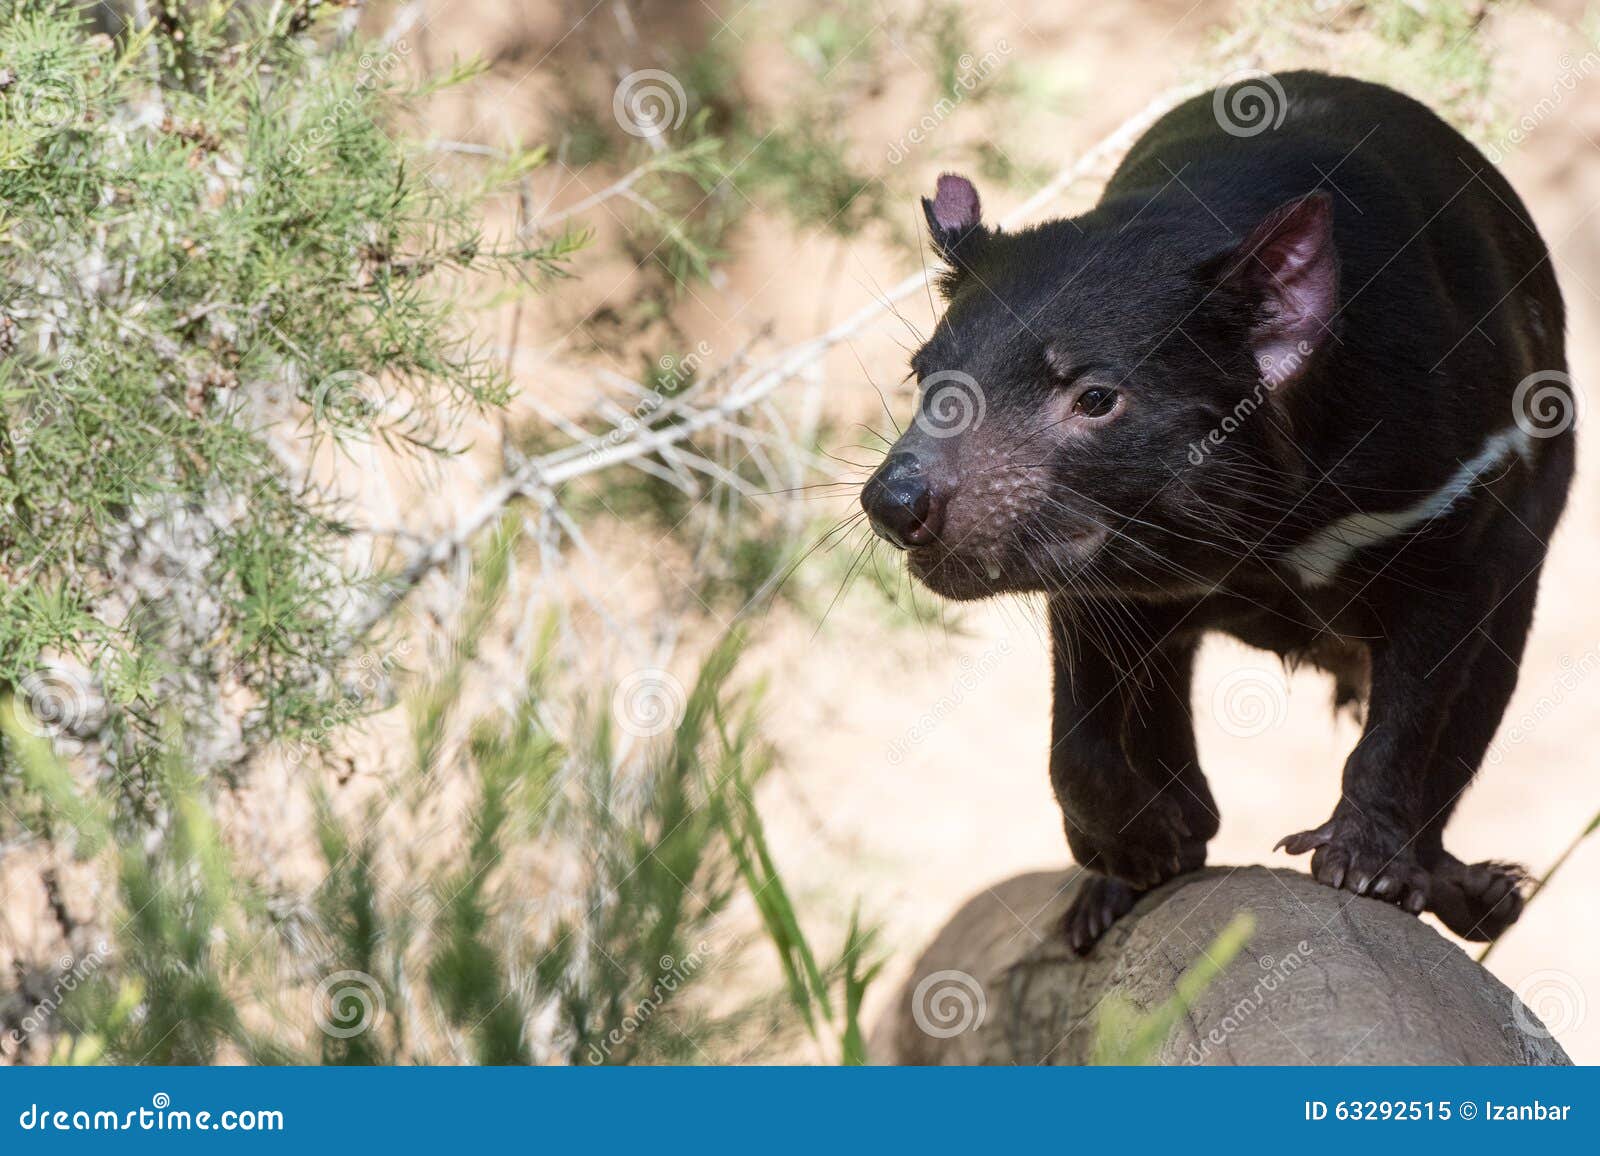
1136 808
1423 660
1481 900
1443 675
1477 900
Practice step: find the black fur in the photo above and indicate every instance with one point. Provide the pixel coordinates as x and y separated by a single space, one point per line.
1403 293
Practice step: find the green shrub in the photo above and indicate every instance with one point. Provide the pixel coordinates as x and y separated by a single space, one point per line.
215 241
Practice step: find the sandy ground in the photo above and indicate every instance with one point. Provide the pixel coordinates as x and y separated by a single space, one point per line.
915 760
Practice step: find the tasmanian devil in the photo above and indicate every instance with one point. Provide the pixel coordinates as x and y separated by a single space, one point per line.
1301 381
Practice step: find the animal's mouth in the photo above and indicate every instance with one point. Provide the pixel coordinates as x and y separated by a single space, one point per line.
965 575
958 576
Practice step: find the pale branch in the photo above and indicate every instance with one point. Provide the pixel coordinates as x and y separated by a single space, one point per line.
617 188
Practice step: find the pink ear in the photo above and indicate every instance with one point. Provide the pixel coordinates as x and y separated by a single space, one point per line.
954 218
955 204
1289 262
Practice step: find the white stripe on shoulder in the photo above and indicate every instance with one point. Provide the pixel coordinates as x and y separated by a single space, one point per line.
1321 556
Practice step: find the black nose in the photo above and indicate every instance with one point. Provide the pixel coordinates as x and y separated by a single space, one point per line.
900 503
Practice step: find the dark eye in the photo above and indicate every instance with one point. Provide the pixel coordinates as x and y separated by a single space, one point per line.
1096 401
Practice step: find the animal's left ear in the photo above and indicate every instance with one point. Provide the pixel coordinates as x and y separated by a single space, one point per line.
954 219
1288 269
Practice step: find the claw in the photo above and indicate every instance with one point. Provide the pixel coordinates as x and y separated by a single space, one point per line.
1098 904
1477 901
1496 891
1300 843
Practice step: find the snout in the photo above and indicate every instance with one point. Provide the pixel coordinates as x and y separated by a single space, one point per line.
902 502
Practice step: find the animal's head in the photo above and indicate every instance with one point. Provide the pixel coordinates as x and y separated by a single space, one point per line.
1102 404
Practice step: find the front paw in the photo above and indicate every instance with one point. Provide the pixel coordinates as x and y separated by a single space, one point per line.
1356 853
1149 849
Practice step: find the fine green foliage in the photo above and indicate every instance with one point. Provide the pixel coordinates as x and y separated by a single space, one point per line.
414 946
214 241
50 799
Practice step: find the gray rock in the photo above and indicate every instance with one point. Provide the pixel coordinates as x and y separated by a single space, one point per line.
1326 978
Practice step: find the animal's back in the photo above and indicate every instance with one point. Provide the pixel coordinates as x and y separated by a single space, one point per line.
1448 298
1417 205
